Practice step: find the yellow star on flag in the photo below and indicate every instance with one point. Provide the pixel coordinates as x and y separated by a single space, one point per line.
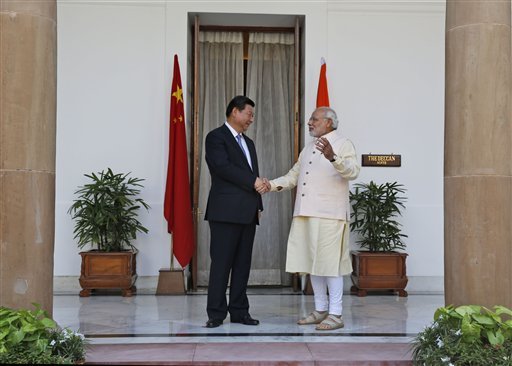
178 94
180 118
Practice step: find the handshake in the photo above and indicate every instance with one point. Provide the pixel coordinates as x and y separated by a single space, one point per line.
262 185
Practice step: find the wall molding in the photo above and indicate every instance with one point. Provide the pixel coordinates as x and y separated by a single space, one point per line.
145 3
390 7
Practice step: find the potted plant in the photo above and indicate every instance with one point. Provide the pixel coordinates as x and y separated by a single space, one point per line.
375 208
466 335
105 214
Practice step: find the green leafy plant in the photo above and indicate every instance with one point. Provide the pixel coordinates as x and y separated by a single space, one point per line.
106 210
466 335
374 211
31 337
24 327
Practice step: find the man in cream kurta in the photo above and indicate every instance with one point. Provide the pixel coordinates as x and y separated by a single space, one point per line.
318 241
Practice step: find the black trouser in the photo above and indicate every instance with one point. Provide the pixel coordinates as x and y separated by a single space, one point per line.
230 252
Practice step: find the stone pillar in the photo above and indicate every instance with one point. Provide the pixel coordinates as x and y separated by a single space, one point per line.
28 74
478 155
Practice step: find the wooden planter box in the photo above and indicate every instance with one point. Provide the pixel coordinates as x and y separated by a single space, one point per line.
113 270
378 271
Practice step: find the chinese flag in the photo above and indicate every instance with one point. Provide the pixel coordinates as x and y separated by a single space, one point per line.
322 96
177 207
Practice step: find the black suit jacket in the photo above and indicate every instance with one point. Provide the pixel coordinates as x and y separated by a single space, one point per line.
232 195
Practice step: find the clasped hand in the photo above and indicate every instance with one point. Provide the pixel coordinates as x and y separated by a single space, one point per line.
262 185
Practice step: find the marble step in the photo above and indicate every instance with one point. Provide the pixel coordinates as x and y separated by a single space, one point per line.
251 353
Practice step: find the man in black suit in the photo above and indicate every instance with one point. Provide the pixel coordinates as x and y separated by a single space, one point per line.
233 208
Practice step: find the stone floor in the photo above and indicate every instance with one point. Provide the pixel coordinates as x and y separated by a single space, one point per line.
169 330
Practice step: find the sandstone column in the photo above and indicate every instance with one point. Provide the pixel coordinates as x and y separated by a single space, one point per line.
478 155
28 75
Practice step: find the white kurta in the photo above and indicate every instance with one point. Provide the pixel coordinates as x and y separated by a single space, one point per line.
318 243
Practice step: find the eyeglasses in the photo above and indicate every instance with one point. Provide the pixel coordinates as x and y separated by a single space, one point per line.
247 113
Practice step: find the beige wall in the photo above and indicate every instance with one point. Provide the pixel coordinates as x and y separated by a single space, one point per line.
385 66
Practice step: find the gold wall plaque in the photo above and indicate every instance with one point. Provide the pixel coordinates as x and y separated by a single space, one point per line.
382 160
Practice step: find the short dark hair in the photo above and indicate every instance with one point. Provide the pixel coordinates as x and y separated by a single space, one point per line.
239 102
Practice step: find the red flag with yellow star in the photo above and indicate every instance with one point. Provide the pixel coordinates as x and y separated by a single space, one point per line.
177 206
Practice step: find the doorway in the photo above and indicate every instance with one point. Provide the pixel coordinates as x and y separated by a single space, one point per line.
262 63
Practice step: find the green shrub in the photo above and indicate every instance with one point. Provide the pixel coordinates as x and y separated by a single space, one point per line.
23 356
31 337
106 211
67 344
467 335
375 208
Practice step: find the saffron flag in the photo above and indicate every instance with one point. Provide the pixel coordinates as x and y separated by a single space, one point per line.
177 206
322 96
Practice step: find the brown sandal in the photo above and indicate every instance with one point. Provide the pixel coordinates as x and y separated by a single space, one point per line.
314 317
331 322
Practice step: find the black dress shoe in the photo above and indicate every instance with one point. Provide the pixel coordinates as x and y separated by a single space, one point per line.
213 323
246 320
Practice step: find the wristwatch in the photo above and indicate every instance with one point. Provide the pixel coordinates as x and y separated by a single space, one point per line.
333 158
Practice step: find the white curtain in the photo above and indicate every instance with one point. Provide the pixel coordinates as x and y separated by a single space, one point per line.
220 79
270 84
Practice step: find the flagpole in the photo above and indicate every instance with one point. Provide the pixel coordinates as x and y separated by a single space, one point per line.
172 255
